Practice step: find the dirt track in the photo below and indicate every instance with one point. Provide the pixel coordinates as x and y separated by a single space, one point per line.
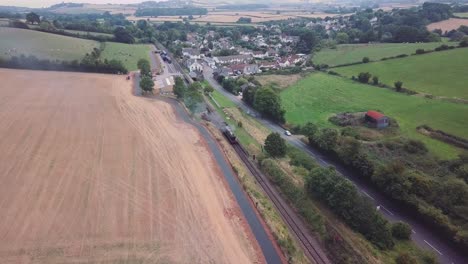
91 174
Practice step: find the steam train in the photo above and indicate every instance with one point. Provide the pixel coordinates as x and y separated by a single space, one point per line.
227 132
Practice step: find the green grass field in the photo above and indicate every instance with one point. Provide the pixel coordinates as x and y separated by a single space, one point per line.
464 15
14 42
320 96
438 73
128 54
350 53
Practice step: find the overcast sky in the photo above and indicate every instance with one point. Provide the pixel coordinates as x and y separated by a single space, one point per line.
47 3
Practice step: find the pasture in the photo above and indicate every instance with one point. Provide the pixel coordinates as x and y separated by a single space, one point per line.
351 53
320 96
439 73
464 15
126 53
15 42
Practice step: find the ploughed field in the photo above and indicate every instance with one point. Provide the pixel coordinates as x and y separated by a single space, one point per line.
93 174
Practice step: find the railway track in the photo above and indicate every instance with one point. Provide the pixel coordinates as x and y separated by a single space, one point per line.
295 224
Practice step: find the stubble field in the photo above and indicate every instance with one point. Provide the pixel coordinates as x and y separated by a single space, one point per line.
92 174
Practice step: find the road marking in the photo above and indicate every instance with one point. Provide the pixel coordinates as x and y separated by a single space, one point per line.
386 209
364 192
433 248
414 232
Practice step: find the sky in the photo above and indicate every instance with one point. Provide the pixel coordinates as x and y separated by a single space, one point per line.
47 3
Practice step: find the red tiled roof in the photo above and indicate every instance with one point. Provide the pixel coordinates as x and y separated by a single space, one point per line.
374 114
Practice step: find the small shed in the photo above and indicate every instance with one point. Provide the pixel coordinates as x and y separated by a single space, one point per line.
377 119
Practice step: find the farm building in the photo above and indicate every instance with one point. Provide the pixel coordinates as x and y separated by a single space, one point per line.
376 119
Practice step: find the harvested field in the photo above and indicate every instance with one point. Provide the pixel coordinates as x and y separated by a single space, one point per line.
92 174
233 16
449 24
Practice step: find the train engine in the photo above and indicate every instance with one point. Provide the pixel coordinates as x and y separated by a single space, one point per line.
229 135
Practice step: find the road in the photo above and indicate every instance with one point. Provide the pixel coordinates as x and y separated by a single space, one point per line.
421 234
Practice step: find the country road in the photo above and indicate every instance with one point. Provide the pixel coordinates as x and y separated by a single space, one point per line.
422 235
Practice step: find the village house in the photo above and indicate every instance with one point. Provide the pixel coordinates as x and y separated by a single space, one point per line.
268 65
289 39
376 119
210 62
244 51
223 71
246 69
260 54
233 59
290 61
191 53
272 53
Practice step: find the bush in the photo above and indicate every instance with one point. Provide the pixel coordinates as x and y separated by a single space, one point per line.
365 60
464 42
375 80
442 47
326 139
364 77
415 147
398 85
401 231
405 258
300 159
420 51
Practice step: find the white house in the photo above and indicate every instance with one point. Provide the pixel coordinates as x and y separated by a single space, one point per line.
194 65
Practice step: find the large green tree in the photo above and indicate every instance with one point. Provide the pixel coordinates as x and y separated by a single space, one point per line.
268 103
33 18
275 145
179 88
146 83
144 67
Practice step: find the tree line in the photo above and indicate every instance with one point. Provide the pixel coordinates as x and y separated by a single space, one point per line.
436 191
87 64
338 193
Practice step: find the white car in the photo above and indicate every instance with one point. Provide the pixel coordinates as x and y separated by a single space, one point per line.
287 133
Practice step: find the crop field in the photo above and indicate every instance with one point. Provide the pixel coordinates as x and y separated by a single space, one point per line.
233 16
320 96
14 42
128 54
92 174
350 53
449 24
438 73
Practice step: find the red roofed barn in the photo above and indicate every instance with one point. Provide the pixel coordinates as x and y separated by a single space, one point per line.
376 119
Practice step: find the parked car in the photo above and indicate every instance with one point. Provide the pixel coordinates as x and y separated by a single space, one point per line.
287 133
